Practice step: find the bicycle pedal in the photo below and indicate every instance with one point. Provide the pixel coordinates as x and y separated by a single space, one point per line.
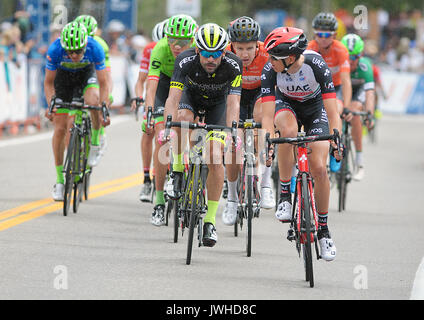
290 235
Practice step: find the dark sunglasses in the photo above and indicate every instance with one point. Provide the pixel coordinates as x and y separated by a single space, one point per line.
79 51
214 54
180 42
324 34
354 57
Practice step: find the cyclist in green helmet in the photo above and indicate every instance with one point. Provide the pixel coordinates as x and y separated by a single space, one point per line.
179 36
75 68
91 25
363 92
146 144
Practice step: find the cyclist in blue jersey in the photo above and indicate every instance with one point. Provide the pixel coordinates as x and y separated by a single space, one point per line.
75 68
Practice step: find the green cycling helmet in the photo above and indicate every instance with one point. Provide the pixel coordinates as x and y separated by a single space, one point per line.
181 26
353 43
89 22
74 36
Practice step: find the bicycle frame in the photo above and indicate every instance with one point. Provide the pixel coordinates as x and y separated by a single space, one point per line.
303 167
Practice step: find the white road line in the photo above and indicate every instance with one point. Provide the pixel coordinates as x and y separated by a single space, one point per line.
418 287
48 135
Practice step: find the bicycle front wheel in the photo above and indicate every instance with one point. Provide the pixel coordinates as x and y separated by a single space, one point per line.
249 214
194 210
69 171
307 232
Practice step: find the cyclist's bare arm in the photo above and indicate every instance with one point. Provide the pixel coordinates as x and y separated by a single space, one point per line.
152 86
370 101
49 91
233 108
268 110
171 105
346 88
334 121
139 87
102 78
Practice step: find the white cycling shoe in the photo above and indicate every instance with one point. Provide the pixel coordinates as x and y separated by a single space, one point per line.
267 198
284 211
58 192
359 174
328 249
229 216
95 155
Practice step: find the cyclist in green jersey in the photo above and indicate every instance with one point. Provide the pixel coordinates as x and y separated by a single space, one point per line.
179 33
363 92
91 25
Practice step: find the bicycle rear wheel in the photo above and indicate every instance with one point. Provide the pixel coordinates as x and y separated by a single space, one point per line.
307 232
69 171
176 219
344 175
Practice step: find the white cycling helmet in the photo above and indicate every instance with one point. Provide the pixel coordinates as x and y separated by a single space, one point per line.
158 31
211 37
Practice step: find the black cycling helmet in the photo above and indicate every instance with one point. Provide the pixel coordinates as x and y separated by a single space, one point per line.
244 29
325 21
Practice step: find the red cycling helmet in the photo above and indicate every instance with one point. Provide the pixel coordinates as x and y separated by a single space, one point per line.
286 41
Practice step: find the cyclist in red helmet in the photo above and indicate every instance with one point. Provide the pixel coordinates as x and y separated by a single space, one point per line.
298 89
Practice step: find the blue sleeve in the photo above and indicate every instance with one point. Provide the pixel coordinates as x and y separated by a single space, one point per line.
98 55
53 55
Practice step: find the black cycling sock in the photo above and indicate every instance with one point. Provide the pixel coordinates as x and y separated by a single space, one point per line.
285 194
147 175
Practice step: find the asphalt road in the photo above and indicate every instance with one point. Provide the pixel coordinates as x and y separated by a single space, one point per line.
109 249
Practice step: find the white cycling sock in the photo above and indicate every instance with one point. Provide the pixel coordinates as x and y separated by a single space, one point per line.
266 177
232 191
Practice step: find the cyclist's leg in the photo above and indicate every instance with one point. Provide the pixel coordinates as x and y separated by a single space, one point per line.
286 123
317 165
214 155
161 167
62 123
146 151
358 101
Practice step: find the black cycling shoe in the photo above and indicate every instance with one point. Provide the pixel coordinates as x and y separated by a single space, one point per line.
158 215
209 235
173 190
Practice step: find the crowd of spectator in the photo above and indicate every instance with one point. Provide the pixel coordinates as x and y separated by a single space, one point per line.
399 43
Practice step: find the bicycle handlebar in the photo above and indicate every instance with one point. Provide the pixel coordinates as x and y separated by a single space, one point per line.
249 124
151 113
138 102
207 127
303 139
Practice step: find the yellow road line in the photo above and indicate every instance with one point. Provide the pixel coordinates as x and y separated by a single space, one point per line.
39 203
131 181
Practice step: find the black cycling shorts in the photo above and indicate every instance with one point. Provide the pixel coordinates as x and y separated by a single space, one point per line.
162 91
215 113
312 116
248 100
69 85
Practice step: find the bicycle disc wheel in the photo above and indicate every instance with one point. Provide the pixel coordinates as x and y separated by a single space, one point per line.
307 247
69 168
194 209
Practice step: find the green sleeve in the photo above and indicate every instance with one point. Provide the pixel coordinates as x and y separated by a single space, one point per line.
105 49
365 67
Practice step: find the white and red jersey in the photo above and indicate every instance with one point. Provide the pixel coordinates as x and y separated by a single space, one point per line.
145 60
312 82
